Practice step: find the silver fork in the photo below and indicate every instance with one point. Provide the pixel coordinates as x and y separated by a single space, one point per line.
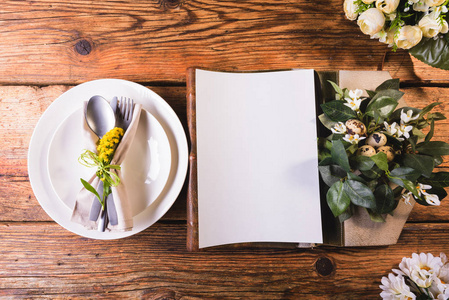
124 116
125 112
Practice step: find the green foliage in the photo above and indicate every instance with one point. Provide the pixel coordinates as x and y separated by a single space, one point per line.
355 180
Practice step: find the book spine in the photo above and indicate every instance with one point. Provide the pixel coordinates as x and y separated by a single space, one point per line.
192 195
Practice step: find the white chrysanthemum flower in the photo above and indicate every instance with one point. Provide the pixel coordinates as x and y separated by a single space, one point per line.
422 268
339 128
438 291
408 116
394 287
391 129
353 139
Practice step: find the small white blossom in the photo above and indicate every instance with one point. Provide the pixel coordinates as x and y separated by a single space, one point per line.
432 199
394 287
391 129
355 94
353 139
339 128
407 117
422 188
407 197
354 104
403 130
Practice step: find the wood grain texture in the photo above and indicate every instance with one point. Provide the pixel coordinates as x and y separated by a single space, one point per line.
155 265
48 42
21 107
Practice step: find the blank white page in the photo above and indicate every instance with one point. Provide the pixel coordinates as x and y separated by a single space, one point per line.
257 157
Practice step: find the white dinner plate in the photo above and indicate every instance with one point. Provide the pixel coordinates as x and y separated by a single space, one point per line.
44 164
145 169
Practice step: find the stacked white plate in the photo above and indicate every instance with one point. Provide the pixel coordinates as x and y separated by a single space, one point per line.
154 170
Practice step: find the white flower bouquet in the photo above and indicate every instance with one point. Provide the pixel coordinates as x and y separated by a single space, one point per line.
422 276
376 153
419 26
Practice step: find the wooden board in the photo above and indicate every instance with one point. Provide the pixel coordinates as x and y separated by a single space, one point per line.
154 264
46 42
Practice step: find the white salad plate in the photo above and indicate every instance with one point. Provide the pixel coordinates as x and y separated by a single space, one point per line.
154 169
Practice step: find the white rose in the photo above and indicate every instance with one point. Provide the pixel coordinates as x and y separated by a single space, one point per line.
408 37
371 21
434 2
429 25
444 28
421 6
368 1
350 10
387 6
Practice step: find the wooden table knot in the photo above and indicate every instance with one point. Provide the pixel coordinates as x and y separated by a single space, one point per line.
83 47
170 4
324 266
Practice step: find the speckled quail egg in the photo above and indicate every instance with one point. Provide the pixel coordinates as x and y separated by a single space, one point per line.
354 126
389 151
366 150
377 139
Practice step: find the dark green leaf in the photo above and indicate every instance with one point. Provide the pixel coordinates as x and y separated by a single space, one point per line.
407 184
352 176
331 174
406 173
439 179
434 52
371 94
339 155
362 163
437 116
381 108
424 164
337 199
337 89
326 161
373 173
428 108
375 217
381 160
436 148
385 202
359 194
337 111
429 135
392 84
346 214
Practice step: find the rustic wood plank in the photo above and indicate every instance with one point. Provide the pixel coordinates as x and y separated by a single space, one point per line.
48 42
21 107
44 260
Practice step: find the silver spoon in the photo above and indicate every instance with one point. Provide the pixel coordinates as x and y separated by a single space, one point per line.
100 118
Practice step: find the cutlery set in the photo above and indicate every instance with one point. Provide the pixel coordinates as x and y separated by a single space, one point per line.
102 116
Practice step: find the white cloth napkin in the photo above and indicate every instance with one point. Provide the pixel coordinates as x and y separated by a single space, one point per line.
84 199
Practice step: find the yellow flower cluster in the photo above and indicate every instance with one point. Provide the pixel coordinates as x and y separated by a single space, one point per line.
108 143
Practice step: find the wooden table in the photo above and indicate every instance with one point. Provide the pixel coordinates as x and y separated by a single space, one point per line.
47 47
